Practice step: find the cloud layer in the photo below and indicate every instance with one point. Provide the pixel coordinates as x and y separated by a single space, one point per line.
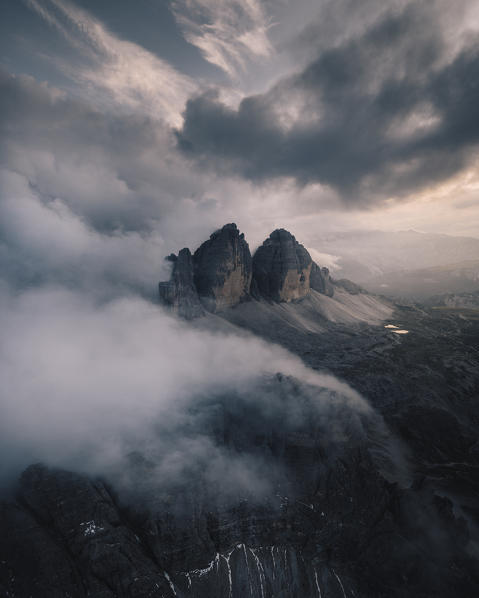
372 109
87 382
113 69
229 34
389 110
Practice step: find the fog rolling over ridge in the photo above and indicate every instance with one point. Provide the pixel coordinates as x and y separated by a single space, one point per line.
86 383
87 362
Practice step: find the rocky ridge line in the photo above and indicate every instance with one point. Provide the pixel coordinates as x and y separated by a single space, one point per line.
221 273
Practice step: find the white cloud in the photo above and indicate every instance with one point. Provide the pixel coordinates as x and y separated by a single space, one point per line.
227 32
46 241
85 382
119 70
332 262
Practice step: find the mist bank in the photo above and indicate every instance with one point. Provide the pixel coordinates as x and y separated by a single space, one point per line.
88 383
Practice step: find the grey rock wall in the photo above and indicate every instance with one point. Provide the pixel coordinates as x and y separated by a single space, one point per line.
180 292
223 269
282 268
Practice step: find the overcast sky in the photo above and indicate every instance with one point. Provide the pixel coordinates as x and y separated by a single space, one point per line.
161 120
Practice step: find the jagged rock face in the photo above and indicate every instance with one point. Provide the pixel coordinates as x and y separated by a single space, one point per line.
222 274
282 268
180 292
68 538
223 269
320 280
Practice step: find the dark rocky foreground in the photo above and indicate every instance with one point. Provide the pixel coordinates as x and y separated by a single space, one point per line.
360 502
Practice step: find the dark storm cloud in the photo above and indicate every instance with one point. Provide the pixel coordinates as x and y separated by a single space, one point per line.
380 114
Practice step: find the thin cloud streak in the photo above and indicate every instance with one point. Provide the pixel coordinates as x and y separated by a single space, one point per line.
130 76
228 33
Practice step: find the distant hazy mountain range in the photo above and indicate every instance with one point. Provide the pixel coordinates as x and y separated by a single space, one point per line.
425 282
406 263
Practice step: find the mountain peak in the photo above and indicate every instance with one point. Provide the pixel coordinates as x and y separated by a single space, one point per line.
282 267
221 273
281 233
223 269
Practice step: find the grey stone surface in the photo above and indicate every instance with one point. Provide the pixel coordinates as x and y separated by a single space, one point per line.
180 292
223 269
321 281
282 267
65 536
221 274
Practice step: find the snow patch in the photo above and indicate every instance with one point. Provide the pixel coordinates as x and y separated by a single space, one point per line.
90 528
168 579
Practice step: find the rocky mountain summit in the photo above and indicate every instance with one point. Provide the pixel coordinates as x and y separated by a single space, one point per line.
282 268
223 269
221 273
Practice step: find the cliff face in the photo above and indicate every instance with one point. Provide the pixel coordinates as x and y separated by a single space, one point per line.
222 274
223 269
67 537
180 292
282 268
320 280
216 277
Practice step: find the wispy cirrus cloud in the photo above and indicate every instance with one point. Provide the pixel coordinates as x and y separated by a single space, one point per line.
228 33
120 71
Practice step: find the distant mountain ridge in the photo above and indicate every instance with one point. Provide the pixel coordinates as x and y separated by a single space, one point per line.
360 255
425 282
406 264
